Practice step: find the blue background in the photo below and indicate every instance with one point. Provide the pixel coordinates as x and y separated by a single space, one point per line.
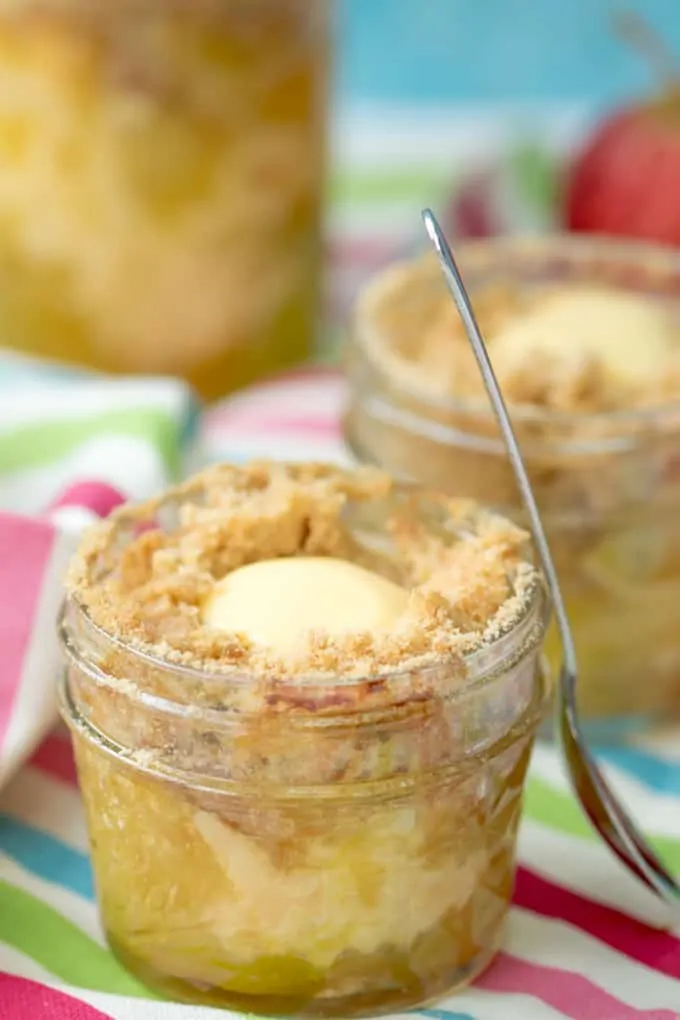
443 51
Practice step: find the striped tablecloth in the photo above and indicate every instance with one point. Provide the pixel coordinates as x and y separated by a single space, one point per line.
583 940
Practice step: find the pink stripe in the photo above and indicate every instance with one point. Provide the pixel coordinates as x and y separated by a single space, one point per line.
566 991
362 249
98 497
21 999
236 421
25 548
279 380
269 384
656 949
310 372
321 379
55 757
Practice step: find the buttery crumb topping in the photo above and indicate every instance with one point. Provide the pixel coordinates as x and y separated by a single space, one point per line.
143 574
572 348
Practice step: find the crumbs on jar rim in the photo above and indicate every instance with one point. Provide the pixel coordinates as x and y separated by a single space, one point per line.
573 348
465 569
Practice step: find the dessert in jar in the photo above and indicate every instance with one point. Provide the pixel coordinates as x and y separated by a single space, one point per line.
160 182
296 692
584 337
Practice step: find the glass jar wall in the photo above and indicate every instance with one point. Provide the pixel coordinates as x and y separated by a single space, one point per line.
607 482
253 836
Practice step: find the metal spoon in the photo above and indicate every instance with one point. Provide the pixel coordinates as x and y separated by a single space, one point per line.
597 800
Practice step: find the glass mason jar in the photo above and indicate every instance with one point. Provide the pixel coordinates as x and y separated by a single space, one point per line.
258 859
608 484
160 183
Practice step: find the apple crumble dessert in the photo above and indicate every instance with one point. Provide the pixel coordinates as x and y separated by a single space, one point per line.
294 692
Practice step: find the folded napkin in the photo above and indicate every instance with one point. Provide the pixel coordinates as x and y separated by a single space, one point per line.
583 940
71 448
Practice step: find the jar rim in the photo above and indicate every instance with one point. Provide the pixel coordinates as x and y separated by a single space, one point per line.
386 517
513 639
619 427
148 687
515 688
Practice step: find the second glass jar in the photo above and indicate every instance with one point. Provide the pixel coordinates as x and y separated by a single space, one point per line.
608 484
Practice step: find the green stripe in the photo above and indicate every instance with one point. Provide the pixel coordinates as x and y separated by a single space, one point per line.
37 445
559 811
535 175
381 185
38 931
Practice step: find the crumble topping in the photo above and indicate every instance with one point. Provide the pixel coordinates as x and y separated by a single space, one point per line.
576 348
465 569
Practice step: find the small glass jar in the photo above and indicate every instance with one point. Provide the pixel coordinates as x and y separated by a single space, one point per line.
608 484
316 848
160 183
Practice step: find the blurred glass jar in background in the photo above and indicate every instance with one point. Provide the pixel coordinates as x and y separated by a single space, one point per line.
160 183
607 480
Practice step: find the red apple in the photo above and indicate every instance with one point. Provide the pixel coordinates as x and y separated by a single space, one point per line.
626 181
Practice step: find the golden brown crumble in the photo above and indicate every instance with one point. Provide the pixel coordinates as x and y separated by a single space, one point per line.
413 330
465 569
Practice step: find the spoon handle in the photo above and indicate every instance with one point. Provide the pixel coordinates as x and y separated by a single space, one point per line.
464 306
596 798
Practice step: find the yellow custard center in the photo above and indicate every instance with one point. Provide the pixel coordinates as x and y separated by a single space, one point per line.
276 602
